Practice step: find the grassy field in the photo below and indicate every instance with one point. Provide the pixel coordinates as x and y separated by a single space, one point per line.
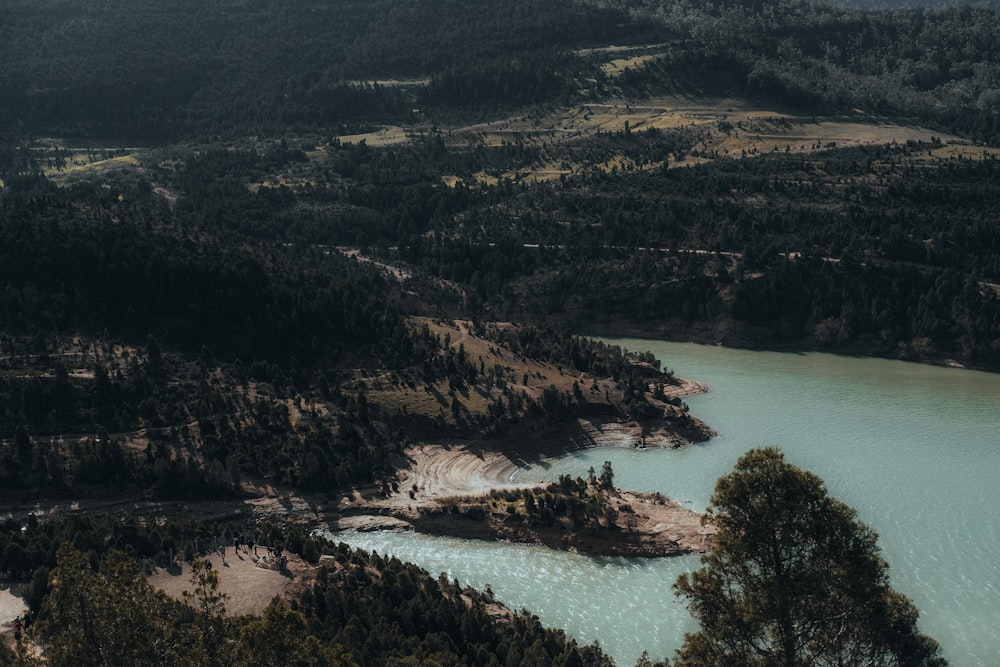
719 128
64 164
729 128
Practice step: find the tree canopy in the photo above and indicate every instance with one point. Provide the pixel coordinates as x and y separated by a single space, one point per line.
794 579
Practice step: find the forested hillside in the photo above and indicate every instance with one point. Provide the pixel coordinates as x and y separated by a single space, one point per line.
186 356
936 64
254 245
133 71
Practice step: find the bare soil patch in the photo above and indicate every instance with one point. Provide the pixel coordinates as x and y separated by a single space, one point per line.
387 136
249 582
434 475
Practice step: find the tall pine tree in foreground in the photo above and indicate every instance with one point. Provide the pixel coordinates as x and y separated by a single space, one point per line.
794 579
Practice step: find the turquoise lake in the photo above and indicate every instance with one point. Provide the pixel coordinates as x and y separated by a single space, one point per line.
914 449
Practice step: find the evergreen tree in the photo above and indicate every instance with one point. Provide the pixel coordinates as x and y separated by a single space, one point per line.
794 579
108 616
281 637
208 634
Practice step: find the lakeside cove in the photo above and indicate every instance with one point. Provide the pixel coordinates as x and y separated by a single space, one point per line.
456 492
465 490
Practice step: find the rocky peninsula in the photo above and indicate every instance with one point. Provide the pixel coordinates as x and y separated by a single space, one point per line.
464 489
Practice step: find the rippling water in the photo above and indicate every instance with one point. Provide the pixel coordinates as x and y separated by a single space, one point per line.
915 449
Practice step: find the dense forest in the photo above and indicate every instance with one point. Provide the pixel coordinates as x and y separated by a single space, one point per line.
130 72
250 243
899 261
215 72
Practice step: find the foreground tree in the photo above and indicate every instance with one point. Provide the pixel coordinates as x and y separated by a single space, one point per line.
208 635
794 579
108 616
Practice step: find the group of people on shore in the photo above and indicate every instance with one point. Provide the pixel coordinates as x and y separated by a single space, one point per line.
241 544
246 545
21 624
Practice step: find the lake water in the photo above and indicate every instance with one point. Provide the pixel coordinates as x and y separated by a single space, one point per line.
914 449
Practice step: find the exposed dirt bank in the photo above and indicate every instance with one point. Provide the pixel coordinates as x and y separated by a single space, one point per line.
249 581
434 475
437 475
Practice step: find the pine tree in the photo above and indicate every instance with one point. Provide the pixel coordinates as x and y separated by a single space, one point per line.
109 616
794 579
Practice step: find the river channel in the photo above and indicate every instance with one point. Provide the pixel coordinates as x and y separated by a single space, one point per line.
914 449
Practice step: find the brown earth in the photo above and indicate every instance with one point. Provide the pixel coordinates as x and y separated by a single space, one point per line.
727 127
249 582
435 474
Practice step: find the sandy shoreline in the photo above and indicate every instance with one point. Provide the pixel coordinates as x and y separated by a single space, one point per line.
438 476
434 472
